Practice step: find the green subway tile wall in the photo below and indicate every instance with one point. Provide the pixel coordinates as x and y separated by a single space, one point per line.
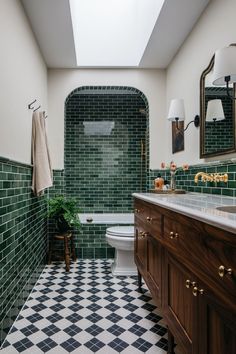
185 179
92 242
58 184
57 189
23 239
103 135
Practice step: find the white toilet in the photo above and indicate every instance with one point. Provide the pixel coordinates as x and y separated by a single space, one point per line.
122 239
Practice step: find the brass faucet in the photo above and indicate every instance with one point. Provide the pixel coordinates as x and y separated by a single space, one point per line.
213 177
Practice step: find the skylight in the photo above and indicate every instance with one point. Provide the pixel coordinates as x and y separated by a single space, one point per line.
112 33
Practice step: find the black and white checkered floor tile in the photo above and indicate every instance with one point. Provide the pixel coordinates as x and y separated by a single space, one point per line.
87 310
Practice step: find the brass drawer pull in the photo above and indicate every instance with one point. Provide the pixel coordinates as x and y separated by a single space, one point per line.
174 235
142 234
197 291
222 271
137 210
149 219
190 283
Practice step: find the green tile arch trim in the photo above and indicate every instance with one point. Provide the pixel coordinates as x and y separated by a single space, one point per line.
114 89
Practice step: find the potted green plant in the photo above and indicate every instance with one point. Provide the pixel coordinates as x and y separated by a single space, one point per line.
65 213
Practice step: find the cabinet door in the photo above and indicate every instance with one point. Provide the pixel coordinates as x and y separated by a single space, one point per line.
154 258
217 327
179 305
204 249
141 249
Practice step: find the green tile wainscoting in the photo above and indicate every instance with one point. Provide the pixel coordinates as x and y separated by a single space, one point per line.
185 179
23 227
23 239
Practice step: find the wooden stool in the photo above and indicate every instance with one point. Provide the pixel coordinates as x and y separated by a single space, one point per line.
68 251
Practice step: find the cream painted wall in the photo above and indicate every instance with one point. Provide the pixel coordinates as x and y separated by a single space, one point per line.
62 82
215 29
23 77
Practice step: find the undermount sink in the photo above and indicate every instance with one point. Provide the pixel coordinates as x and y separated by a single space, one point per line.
227 208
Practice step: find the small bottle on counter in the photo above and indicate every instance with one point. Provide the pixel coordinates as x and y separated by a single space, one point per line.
166 185
159 182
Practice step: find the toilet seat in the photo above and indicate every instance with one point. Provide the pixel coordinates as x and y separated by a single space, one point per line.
121 231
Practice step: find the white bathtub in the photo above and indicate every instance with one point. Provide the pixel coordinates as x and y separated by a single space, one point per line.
115 218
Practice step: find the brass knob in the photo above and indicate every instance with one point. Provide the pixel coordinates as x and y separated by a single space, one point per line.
137 210
190 283
174 235
197 291
149 219
222 271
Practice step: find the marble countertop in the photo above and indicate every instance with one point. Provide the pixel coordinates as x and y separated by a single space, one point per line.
198 206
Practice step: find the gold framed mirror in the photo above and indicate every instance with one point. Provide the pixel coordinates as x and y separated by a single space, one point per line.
217 135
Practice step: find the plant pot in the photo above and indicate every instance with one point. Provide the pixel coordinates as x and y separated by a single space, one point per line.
62 225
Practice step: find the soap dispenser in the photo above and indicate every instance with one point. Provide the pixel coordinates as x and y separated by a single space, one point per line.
159 182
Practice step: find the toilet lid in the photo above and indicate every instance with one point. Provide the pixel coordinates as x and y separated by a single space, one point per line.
122 231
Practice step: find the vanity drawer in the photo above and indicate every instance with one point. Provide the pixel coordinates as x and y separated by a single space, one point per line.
209 252
151 216
141 210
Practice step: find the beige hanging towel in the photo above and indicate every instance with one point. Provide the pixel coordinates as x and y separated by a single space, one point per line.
42 171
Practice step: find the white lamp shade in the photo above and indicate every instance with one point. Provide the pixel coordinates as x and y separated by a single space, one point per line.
224 65
215 111
176 110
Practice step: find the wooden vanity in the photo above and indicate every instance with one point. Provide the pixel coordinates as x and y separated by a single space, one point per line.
189 267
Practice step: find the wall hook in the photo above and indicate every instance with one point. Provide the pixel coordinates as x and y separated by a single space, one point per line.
30 105
36 109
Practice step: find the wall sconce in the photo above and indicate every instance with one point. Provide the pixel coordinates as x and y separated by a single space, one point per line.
176 113
215 111
224 71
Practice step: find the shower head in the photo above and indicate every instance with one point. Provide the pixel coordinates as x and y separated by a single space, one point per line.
142 111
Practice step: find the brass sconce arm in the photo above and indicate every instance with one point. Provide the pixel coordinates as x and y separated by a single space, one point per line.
196 122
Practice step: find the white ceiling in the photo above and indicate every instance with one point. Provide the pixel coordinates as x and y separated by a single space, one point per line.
52 25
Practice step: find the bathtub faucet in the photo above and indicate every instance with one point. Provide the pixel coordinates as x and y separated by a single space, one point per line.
89 219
